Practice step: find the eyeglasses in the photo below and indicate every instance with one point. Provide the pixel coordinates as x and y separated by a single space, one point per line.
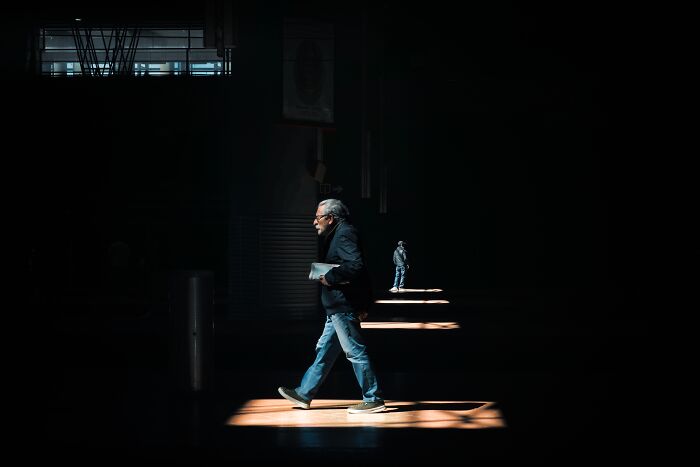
318 218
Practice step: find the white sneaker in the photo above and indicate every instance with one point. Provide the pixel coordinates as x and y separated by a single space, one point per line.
393 289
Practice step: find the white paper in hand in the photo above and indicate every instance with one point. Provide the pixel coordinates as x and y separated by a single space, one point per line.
320 269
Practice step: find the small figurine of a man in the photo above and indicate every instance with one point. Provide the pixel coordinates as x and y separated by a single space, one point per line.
401 263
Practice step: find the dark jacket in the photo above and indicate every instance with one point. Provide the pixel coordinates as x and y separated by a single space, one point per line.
400 256
350 288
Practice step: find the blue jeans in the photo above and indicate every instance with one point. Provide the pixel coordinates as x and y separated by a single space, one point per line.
400 276
341 333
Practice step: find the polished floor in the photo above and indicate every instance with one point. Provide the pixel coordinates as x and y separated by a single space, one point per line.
497 378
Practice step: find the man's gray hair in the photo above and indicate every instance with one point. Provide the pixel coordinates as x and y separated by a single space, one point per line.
335 207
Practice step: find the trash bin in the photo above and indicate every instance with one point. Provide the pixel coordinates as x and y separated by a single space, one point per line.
191 302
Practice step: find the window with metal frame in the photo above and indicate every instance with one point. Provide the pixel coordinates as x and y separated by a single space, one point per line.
132 51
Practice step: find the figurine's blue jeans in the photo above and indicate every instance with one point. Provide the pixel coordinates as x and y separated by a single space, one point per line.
400 276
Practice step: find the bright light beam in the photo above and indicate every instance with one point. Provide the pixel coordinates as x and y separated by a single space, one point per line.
332 413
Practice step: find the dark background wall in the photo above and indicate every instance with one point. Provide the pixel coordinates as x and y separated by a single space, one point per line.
501 126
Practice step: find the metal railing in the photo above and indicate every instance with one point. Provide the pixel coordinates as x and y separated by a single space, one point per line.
136 51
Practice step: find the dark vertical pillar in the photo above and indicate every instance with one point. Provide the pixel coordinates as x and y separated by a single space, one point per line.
365 152
192 330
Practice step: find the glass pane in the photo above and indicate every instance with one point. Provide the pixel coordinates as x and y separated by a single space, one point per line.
159 51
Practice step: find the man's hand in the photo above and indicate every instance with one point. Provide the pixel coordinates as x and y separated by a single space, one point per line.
362 315
323 280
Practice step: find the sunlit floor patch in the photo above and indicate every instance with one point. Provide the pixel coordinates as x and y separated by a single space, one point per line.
416 290
399 301
332 413
409 325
